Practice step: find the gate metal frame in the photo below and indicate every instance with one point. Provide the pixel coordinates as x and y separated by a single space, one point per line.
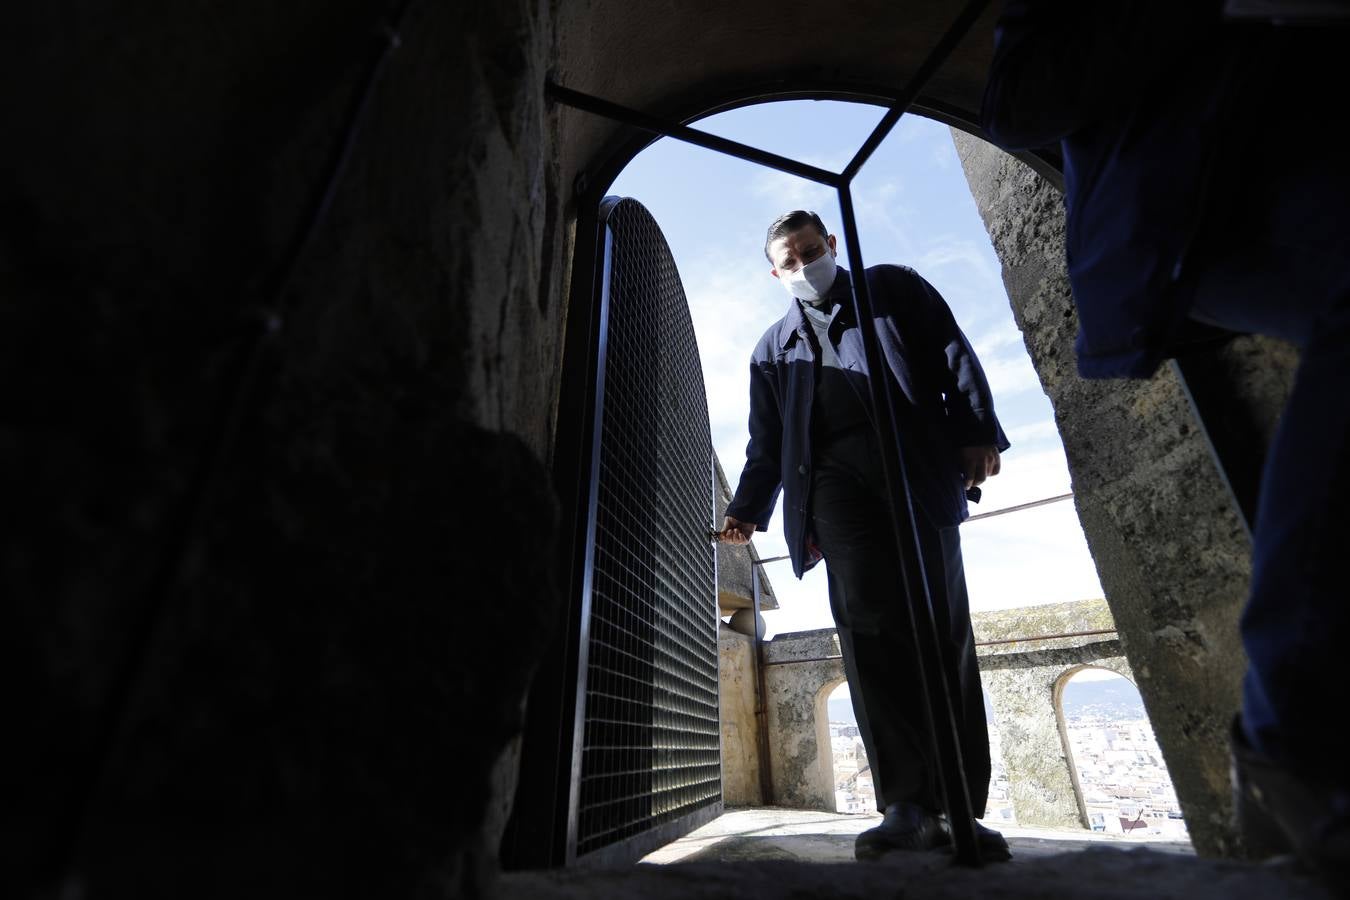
540 818
631 848
933 670
542 829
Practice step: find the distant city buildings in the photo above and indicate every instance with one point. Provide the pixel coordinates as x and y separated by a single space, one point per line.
853 788
1126 788
1125 785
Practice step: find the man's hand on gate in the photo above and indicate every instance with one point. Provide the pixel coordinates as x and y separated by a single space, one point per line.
979 463
734 531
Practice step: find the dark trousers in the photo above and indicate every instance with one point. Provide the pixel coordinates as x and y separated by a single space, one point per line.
853 531
1289 276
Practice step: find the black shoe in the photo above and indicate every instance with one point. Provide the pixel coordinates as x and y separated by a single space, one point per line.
1279 811
905 827
993 845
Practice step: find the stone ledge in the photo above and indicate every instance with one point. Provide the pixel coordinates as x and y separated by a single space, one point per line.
802 646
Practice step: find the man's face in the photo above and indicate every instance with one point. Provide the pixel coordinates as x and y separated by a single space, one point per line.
798 248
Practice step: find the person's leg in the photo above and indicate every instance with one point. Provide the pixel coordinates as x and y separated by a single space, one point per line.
951 605
1300 606
946 576
851 526
876 638
1289 768
1297 606
1291 787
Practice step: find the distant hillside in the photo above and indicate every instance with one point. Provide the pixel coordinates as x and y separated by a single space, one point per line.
1113 699
1116 699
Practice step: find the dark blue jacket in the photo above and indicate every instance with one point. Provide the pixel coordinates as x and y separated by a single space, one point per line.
942 402
1134 92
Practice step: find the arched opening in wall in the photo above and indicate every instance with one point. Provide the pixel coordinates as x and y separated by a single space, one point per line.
1122 781
854 792
913 207
684 102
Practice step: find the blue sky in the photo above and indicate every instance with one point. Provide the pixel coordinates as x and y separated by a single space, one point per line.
914 207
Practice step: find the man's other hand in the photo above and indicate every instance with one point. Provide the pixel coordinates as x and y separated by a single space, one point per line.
734 531
979 463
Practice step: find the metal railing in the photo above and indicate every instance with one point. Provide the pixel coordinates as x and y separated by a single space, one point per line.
989 515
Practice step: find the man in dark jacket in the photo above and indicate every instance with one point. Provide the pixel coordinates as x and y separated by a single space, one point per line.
1196 190
812 438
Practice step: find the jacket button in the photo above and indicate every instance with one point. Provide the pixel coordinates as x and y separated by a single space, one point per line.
801 470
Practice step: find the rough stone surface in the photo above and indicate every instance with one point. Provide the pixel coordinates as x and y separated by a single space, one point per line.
1040 623
740 727
251 547
802 646
802 669
1170 550
1025 694
747 621
1024 680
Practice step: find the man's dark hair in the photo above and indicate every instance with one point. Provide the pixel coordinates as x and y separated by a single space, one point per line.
790 222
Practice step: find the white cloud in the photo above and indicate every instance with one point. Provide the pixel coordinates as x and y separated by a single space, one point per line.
791 192
998 338
1028 558
1009 373
1026 474
968 259
944 156
1034 432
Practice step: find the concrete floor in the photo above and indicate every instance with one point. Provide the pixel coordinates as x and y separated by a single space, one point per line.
809 836
795 854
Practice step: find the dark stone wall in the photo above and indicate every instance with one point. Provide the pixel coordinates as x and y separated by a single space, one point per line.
278 557
1169 546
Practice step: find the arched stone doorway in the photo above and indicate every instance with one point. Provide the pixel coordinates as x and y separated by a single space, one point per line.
1121 782
425 300
850 769
1117 666
1108 433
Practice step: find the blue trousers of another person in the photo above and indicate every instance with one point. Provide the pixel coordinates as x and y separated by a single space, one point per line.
1282 268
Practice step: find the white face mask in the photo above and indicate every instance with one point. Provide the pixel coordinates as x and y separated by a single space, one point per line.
812 281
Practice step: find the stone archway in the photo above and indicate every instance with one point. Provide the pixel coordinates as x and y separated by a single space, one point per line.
800 672
825 767
1147 490
1024 655
1119 666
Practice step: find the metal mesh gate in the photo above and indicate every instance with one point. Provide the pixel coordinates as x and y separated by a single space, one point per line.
650 760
